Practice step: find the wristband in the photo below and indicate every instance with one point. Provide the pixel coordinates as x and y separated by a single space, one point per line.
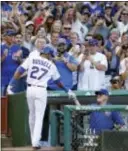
21 70
13 82
66 89
58 82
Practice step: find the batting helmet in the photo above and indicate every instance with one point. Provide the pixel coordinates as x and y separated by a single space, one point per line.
47 50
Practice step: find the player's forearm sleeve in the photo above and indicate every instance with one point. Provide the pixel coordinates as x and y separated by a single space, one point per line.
21 70
59 83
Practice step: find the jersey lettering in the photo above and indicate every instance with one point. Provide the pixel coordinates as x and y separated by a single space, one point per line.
35 70
41 62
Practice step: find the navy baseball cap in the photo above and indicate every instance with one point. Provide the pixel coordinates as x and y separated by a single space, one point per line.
93 42
86 12
61 41
10 33
100 15
102 91
47 50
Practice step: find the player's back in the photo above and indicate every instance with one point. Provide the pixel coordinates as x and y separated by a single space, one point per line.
40 70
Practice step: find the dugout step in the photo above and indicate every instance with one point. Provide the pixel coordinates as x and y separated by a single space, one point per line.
6 141
30 149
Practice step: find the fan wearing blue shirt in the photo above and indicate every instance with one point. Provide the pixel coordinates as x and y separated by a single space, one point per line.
100 121
65 64
113 60
94 7
19 42
21 84
8 6
66 30
9 60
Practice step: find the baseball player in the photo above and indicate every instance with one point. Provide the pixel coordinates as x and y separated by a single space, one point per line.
39 70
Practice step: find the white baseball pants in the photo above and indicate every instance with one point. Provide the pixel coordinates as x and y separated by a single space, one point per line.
37 100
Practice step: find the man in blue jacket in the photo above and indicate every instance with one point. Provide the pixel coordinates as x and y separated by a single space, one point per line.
100 121
10 59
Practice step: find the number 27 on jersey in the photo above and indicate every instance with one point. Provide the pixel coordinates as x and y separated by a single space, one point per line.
35 70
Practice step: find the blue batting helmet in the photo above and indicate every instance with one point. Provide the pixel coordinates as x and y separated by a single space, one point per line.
47 50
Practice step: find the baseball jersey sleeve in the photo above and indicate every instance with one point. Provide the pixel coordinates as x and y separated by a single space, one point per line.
26 63
55 73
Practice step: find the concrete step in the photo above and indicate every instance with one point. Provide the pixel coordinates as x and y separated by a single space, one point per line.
30 149
6 141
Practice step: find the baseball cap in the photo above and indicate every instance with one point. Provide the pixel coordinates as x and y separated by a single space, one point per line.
100 15
102 91
29 23
115 30
10 33
86 12
61 41
93 42
115 79
108 6
51 16
47 50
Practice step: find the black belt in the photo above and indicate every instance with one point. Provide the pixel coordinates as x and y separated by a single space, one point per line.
30 85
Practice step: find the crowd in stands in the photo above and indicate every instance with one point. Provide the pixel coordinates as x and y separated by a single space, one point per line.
89 41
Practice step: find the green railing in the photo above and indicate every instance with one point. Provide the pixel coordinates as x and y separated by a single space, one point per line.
82 93
54 125
85 93
97 108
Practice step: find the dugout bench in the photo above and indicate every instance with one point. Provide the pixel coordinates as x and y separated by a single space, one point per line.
18 111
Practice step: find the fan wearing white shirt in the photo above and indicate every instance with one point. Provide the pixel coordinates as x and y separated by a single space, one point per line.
92 68
122 25
75 51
